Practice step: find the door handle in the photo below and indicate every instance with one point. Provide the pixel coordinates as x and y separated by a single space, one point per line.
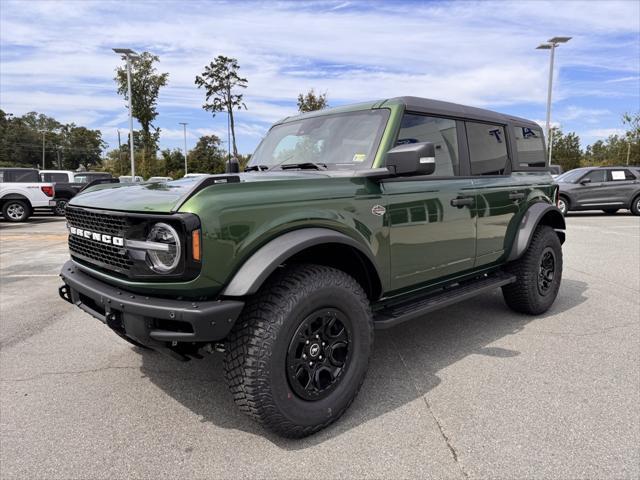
461 202
516 196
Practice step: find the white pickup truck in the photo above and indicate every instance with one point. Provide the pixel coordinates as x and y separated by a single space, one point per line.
21 191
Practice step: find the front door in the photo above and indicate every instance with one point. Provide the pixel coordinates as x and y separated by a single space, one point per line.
591 190
431 218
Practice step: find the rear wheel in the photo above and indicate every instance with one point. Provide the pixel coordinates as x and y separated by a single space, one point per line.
610 211
298 354
16 210
538 274
635 206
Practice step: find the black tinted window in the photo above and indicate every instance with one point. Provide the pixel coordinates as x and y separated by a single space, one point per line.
530 147
22 176
596 176
617 175
487 148
439 131
54 177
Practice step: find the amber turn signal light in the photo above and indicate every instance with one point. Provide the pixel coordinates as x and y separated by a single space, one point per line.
195 245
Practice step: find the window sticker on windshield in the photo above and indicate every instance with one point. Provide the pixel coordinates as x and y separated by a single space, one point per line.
617 175
359 157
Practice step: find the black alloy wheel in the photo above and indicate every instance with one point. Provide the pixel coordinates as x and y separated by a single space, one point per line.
546 271
318 354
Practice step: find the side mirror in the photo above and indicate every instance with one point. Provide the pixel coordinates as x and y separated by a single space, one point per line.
412 159
584 181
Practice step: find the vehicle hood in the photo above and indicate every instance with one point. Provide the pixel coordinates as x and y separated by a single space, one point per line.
165 197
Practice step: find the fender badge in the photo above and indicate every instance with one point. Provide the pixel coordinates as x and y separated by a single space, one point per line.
378 210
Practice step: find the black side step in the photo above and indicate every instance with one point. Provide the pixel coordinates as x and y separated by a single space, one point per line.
393 315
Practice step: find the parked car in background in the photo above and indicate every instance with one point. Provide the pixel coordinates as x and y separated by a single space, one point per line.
88 177
555 170
127 179
600 188
22 191
65 187
67 184
159 179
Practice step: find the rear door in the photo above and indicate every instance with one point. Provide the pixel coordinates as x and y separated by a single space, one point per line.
620 185
431 217
499 195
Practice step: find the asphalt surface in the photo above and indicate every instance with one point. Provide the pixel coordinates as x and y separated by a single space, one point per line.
471 391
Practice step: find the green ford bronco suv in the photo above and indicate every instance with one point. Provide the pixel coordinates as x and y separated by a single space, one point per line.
345 221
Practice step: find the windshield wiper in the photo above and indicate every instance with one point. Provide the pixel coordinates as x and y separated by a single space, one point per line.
304 166
256 168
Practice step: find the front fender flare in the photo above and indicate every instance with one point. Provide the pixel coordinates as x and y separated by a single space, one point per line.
267 258
538 213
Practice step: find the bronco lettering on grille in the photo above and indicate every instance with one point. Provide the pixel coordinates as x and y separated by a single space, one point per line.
98 237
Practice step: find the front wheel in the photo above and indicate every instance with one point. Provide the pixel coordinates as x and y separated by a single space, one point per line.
538 274
61 206
563 205
298 354
16 210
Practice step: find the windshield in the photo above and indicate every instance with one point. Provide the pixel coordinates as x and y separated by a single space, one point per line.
339 141
570 177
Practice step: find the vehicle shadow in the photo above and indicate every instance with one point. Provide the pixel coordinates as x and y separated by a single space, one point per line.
404 366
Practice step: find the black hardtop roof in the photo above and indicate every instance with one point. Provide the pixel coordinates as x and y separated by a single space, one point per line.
456 110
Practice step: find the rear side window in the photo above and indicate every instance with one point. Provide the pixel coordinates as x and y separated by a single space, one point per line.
441 132
530 147
487 148
617 175
22 176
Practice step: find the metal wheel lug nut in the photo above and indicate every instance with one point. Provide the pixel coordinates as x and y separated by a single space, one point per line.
307 342
317 336
311 364
320 357
323 344
304 356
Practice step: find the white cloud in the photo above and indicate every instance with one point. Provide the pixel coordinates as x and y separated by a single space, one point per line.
57 58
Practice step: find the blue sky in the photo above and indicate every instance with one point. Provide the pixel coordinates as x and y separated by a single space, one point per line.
56 58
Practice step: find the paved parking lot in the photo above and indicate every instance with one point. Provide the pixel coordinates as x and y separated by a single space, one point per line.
472 391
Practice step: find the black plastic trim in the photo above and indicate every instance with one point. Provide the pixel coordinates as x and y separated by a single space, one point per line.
205 182
530 221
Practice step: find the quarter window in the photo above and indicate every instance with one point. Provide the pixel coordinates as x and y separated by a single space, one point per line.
530 147
487 148
441 132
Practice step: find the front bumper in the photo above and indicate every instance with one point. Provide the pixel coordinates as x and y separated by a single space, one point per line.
155 322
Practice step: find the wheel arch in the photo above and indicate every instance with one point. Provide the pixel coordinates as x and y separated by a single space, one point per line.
321 246
15 196
537 214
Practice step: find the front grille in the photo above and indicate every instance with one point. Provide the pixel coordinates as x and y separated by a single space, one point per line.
103 255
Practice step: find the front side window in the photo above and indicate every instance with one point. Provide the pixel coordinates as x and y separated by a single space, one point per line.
530 147
344 141
596 176
441 132
487 148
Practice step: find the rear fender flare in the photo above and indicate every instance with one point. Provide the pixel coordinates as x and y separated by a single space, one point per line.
274 253
537 214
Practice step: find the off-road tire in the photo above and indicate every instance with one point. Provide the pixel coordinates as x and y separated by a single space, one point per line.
11 209
524 295
610 211
635 205
256 354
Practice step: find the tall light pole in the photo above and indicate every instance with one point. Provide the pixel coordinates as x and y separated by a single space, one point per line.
184 128
129 55
43 133
551 44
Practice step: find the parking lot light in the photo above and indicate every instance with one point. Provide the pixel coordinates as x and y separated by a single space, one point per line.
551 44
128 55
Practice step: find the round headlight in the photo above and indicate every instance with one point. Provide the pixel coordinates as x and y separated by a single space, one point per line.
166 259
